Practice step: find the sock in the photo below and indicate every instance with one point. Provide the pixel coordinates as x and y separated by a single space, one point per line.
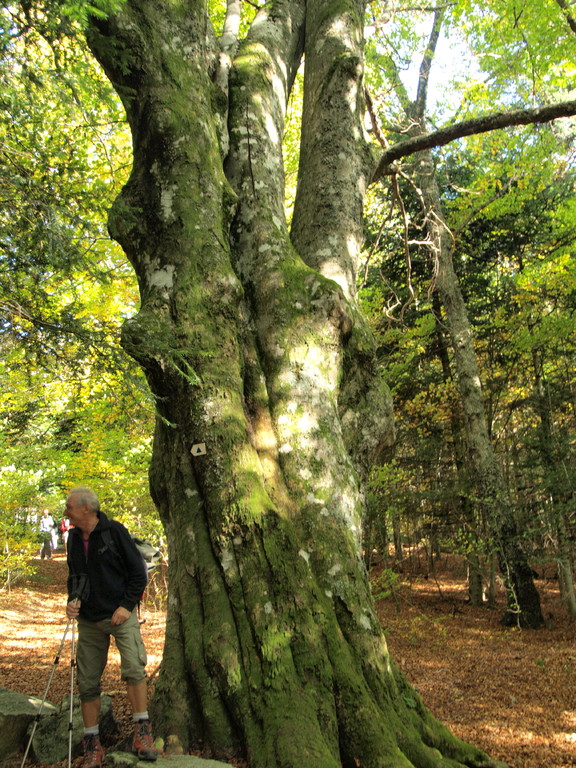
92 731
137 716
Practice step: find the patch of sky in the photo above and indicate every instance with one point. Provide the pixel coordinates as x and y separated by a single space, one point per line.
453 64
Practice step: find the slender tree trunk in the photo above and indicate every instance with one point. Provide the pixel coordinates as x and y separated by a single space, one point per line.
566 576
473 524
491 592
557 521
270 402
475 581
523 599
397 537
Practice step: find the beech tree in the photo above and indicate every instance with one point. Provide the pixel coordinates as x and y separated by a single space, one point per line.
256 354
271 405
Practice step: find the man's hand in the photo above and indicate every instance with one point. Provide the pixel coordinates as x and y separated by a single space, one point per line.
119 616
73 608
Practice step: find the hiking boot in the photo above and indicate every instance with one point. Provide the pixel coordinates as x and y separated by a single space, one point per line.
93 752
142 741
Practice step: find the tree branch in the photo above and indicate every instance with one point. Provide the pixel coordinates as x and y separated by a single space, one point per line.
569 18
476 125
426 65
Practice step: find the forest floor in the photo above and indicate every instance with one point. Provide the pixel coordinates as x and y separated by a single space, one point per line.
511 692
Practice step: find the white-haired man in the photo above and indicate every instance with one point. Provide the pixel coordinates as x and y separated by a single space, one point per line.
107 577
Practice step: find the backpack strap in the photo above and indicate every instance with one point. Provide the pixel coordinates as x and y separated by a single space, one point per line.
78 584
107 542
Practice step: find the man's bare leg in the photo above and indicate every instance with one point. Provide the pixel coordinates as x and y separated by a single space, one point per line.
90 712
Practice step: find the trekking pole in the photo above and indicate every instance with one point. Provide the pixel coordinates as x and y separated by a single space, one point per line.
38 714
71 716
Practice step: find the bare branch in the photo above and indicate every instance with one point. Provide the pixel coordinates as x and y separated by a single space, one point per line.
476 125
426 66
382 140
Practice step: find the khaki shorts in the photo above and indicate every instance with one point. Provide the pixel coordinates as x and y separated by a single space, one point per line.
92 653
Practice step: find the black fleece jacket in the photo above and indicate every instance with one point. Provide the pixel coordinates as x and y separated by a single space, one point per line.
115 571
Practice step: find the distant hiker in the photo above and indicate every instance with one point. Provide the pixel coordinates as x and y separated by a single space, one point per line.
64 530
46 529
54 535
107 577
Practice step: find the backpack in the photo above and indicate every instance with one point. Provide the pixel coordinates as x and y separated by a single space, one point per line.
149 554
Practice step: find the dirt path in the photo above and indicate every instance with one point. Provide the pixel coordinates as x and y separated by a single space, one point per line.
511 692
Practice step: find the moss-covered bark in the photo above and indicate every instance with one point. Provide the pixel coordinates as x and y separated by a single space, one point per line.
253 345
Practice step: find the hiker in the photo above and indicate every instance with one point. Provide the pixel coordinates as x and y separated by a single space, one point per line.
46 528
107 577
64 529
54 535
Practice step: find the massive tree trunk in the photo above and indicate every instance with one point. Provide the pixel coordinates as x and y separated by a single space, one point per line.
270 403
484 470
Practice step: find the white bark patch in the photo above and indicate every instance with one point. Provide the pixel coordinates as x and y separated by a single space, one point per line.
336 568
288 379
333 271
279 87
163 278
352 97
167 203
269 164
365 622
353 246
227 560
306 423
271 129
278 351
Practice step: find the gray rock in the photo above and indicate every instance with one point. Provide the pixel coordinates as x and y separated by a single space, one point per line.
50 741
126 760
17 713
